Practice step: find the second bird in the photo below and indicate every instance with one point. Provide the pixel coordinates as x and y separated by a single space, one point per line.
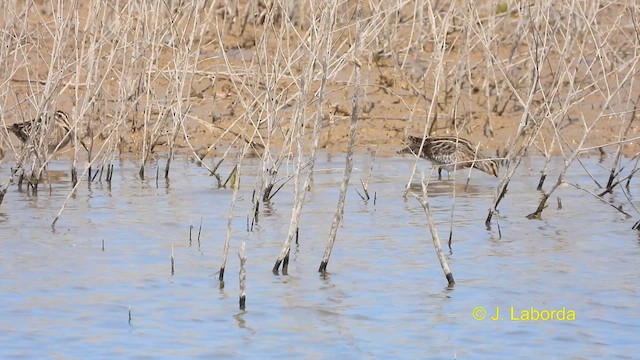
54 128
450 151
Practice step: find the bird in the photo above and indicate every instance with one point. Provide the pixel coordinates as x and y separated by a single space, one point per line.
54 129
450 152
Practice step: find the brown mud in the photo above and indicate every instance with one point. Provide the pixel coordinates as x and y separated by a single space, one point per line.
478 90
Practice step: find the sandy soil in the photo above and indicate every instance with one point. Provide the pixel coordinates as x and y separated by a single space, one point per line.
397 92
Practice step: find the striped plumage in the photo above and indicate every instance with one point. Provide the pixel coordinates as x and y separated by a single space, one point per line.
54 128
447 151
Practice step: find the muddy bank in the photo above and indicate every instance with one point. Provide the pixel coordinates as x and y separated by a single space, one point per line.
141 78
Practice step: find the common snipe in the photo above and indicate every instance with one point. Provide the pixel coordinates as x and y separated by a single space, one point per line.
54 129
449 152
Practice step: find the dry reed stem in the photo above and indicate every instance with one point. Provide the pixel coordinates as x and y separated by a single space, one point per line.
365 183
235 185
598 197
613 174
242 275
424 201
173 270
348 167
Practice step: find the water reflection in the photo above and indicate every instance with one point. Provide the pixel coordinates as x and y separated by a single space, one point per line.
385 294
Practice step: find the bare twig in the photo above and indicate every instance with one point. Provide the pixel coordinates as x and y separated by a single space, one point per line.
242 275
352 137
424 201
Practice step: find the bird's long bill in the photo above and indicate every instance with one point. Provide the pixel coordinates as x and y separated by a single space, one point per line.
488 166
406 150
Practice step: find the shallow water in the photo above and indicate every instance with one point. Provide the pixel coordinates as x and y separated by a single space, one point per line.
385 295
